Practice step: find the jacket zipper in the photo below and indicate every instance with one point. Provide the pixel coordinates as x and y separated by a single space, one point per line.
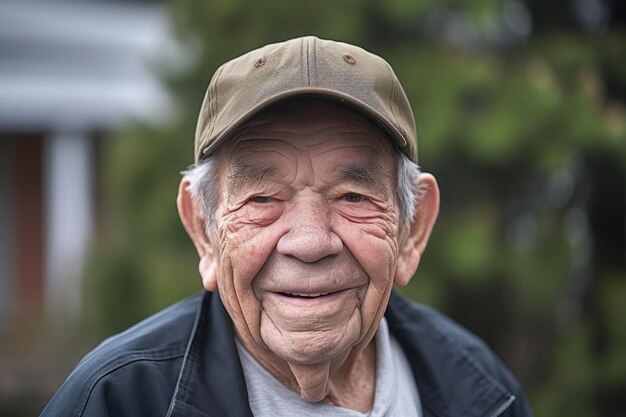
504 407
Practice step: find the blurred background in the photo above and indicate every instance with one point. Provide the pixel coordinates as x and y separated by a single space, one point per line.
520 109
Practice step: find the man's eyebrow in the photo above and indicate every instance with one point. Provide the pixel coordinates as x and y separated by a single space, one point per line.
370 174
244 175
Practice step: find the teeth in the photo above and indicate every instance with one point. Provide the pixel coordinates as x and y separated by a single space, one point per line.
295 294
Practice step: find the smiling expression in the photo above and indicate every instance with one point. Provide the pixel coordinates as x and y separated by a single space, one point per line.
307 231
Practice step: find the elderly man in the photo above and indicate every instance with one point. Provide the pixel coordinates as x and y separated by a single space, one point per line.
306 206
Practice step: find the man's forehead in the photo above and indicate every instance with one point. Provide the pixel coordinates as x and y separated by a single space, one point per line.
340 142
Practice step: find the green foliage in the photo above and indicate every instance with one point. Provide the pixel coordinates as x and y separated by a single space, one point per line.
524 136
612 366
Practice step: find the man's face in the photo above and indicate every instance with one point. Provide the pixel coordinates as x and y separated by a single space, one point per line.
307 231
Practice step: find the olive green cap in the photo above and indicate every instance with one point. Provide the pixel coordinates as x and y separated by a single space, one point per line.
304 67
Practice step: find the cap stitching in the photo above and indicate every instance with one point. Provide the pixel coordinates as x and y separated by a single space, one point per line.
214 106
308 74
316 83
302 75
393 102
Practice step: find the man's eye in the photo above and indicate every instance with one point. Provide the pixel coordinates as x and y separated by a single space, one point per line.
353 197
260 199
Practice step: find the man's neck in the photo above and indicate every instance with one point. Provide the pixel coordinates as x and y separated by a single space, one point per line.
348 382
350 386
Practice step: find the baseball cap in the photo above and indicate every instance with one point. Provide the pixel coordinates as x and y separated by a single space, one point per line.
304 67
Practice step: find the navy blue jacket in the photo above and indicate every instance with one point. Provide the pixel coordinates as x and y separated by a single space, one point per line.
182 362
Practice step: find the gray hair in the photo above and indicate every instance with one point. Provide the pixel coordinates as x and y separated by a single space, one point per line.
203 175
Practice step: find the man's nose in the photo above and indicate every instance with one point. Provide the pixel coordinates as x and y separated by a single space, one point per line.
310 237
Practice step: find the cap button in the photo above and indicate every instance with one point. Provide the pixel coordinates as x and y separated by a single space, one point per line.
349 59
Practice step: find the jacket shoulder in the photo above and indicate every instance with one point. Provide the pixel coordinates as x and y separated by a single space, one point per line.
439 341
413 317
141 362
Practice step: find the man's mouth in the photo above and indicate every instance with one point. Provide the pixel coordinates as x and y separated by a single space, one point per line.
314 295
308 299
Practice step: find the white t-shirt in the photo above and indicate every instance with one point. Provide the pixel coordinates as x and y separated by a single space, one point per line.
396 393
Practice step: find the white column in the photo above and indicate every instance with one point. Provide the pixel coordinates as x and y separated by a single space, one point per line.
7 219
68 216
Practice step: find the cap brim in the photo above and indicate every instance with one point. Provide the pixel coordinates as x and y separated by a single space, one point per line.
322 93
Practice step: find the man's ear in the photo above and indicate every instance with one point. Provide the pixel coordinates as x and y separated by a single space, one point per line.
414 236
190 212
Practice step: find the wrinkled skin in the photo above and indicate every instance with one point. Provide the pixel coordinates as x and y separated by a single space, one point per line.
305 245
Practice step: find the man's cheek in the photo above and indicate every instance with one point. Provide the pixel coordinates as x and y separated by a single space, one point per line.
246 253
375 248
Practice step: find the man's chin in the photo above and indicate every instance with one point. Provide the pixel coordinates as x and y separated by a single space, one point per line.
312 347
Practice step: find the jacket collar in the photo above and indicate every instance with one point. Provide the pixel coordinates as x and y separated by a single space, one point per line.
450 381
443 358
211 381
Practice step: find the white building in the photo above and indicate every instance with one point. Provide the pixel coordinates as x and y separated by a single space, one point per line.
70 71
